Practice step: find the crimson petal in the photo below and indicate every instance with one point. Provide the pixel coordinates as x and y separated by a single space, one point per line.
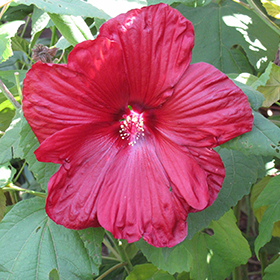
55 97
157 42
135 199
85 153
206 109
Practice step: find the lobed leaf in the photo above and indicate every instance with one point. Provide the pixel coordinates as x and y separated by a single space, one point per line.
241 173
42 171
234 26
205 256
41 246
263 139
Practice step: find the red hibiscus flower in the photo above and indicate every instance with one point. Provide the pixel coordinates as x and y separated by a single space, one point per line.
133 125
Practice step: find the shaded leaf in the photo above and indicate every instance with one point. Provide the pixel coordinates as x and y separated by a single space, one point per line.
41 246
263 139
19 44
270 197
241 173
272 271
73 29
9 142
3 269
148 272
227 25
205 256
2 206
42 171
54 275
92 238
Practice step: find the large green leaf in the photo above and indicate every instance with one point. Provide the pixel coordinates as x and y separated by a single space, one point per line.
9 142
94 8
272 272
33 245
241 173
263 139
270 197
148 271
29 143
73 29
7 31
269 84
221 27
205 256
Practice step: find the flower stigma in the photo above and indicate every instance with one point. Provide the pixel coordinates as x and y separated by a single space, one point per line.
132 127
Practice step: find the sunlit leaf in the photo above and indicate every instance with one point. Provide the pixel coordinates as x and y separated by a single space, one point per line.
54 275
7 173
73 29
7 31
272 8
219 28
41 246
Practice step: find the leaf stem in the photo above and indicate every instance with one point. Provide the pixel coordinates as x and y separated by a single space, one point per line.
12 187
8 95
25 26
113 251
18 84
53 29
264 18
110 270
20 171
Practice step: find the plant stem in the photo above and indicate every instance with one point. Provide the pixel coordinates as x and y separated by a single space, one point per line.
9 96
53 29
249 216
20 171
18 85
25 26
264 18
124 256
12 187
113 251
264 262
110 270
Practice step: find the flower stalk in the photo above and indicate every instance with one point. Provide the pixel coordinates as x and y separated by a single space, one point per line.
9 95
12 187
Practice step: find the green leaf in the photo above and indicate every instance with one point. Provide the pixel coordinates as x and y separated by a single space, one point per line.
9 142
7 173
62 43
42 171
227 25
19 44
205 256
269 84
2 206
148 272
272 271
272 8
3 269
241 173
7 31
92 238
41 246
54 275
73 29
40 20
263 139
255 98
270 196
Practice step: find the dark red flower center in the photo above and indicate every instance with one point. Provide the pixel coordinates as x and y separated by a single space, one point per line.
132 127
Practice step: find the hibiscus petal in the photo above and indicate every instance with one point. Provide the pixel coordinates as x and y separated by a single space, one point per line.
135 199
55 97
85 153
206 109
157 42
